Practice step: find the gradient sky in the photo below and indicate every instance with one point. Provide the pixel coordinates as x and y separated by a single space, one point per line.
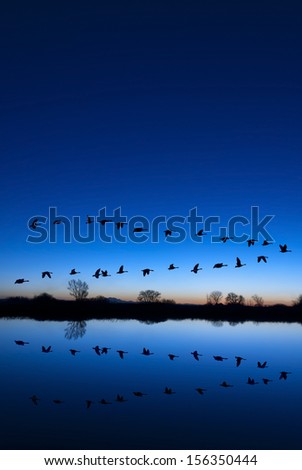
155 107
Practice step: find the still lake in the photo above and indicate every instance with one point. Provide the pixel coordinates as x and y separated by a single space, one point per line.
239 417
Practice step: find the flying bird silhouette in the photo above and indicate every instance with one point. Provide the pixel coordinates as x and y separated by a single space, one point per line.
46 274
97 350
73 271
34 224
283 249
172 357
120 398
89 220
225 239
239 264
251 242
46 350
196 355
88 403
121 270
121 353
220 358
225 384
168 391
168 233
120 225
105 402
97 273
172 267
139 230
105 350
196 269
251 381
74 351
200 233
200 390
262 366
238 360
105 273
19 342
262 258
20 281
266 381
146 352
266 243
219 265
104 221
139 394
34 399
57 401
283 375
146 271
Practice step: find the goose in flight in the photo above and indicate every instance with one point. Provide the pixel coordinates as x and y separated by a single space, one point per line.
172 357
225 384
46 274
262 258
121 353
196 355
97 273
46 350
74 351
266 381
34 399
196 269
19 342
57 221
283 249
139 394
219 265
168 391
201 233
251 242
146 352
105 350
57 402
262 366
73 271
266 243
168 233
140 229
121 270
283 375
120 225
97 350
105 402
238 263
120 398
172 267
20 281
225 239
104 221
88 403
251 381
34 224
105 273
220 358
146 271
89 220
200 390
238 360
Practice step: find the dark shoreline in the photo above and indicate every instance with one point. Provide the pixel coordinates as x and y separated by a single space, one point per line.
68 310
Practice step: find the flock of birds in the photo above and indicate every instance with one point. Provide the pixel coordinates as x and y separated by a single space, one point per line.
283 375
146 271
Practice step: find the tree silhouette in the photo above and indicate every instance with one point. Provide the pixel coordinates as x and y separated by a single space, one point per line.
149 296
234 299
214 297
259 302
298 301
75 329
78 289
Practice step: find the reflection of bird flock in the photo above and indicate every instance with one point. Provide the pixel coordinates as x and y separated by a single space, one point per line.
146 271
167 390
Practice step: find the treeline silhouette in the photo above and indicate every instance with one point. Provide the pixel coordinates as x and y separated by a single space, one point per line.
46 307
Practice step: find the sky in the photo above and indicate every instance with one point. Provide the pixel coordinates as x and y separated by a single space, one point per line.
156 108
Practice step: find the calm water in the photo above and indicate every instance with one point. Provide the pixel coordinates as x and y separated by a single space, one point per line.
240 417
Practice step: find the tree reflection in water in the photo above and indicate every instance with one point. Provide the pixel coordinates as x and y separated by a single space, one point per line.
75 329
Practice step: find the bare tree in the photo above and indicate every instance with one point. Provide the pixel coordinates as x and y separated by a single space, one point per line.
298 301
234 299
168 301
149 296
214 297
259 302
78 289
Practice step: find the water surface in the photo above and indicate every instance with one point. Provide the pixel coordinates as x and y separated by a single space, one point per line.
240 417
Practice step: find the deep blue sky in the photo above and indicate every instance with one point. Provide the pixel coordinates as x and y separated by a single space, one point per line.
154 107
